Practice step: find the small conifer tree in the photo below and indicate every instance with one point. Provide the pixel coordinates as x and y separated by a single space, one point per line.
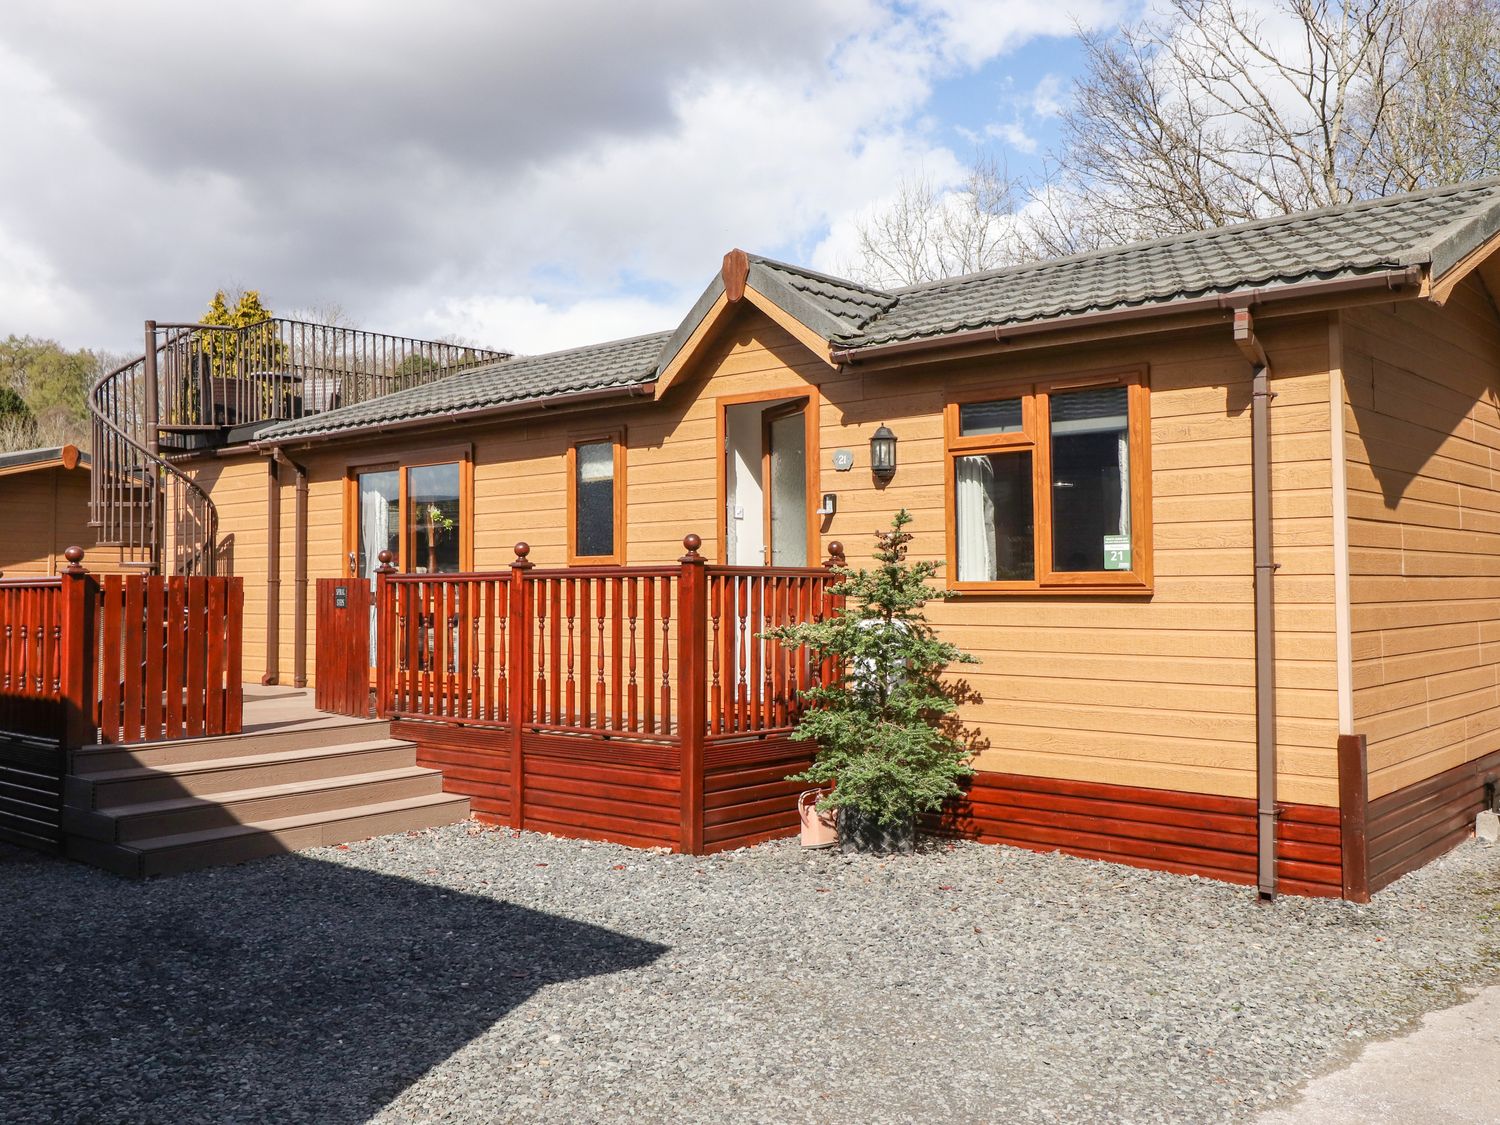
884 724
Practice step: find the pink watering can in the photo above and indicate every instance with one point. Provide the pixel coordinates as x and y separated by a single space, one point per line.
819 829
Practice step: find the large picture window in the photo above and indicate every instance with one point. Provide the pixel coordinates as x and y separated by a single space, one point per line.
596 499
1048 487
419 507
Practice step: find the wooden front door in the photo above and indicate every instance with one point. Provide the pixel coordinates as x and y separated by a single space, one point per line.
343 649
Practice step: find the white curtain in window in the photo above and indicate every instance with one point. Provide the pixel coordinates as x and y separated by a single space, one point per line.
374 526
976 520
375 536
1124 453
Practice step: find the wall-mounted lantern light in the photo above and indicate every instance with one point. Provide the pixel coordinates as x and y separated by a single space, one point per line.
883 453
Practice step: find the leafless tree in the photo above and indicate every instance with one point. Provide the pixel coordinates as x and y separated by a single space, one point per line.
1442 124
1210 112
929 232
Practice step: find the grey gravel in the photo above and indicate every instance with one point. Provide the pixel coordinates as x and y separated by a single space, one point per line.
469 974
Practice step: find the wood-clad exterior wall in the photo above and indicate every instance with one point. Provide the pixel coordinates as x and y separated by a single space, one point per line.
1422 441
1152 690
43 512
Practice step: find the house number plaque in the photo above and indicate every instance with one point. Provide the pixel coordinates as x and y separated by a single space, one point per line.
340 597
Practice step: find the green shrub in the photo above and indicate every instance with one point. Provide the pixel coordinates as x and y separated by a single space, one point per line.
885 725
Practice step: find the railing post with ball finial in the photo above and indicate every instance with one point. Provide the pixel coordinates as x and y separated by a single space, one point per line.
518 676
383 658
692 689
78 719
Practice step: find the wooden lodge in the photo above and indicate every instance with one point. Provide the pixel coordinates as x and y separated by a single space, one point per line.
1221 508
45 497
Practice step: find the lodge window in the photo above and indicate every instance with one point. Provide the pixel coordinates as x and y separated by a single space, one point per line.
596 499
1048 487
419 507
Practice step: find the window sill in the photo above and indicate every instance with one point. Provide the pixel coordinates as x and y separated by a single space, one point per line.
1133 589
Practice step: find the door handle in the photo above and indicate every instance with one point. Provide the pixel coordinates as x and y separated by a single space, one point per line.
353 563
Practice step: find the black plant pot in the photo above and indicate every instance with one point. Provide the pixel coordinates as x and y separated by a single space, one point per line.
859 833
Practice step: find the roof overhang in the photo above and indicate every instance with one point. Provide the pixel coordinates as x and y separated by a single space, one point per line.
1405 281
740 282
524 408
32 460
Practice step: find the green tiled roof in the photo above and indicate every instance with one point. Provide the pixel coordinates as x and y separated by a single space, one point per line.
1435 229
619 363
1432 228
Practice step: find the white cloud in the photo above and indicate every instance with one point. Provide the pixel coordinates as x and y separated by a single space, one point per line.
1047 96
550 174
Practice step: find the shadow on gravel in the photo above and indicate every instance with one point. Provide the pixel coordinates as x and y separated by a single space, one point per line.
284 990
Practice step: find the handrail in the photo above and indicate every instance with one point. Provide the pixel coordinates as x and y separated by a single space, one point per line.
126 486
194 383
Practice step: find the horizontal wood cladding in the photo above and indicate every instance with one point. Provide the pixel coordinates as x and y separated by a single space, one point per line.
1185 833
1155 691
1422 441
31 793
475 763
747 798
572 789
1415 825
46 512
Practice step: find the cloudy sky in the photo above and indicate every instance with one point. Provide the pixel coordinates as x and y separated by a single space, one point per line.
528 176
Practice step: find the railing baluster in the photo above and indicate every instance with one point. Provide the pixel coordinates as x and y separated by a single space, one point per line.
572 711
556 650
667 725
617 653
648 679
632 705
585 652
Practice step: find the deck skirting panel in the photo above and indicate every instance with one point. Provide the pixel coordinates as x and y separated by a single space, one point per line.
746 797
31 789
1165 830
1415 825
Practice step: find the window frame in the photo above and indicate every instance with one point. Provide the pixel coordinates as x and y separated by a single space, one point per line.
400 464
616 437
1036 436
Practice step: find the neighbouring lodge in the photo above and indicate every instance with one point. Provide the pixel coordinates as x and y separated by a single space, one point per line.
1222 509
45 497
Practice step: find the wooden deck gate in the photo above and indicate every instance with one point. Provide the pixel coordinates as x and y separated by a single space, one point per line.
343 647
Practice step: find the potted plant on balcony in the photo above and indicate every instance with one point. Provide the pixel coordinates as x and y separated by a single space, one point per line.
885 723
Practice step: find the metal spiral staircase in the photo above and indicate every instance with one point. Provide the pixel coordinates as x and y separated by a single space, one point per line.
201 386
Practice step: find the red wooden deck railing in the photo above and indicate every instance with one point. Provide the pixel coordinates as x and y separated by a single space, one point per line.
125 658
608 651
30 657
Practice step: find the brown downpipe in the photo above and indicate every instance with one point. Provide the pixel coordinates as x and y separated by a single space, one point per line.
1395 279
273 574
1265 602
299 571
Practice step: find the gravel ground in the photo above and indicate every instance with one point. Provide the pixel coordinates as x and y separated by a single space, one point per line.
468 974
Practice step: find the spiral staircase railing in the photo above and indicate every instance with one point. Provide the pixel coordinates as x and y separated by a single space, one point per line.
199 386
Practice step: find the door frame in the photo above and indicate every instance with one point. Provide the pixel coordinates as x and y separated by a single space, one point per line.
462 454
811 407
437 455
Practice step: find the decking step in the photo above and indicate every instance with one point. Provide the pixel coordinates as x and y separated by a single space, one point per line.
187 851
146 819
109 789
103 759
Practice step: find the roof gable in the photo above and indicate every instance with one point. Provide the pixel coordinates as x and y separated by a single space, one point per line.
817 309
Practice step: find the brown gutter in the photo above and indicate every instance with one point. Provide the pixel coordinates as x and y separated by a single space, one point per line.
1396 279
299 573
1265 602
534 406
